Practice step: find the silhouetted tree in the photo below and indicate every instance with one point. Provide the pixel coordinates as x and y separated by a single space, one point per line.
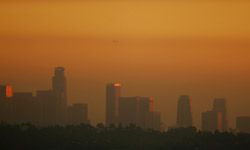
83 136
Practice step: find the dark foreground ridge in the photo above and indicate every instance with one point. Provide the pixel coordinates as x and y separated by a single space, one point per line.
86 137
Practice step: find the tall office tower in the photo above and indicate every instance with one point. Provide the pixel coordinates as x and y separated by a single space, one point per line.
48 102
219 105
139 111
59 87
129 110
78 113
184 112
211 121
153 121
113 93
243 124
145 106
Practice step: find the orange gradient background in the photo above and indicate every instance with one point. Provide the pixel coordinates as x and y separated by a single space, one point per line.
155 48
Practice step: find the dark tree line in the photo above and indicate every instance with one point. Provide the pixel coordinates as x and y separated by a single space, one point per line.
86 137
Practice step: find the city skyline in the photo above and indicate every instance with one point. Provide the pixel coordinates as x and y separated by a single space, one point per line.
125 74
47 107
157 48
184 106
124 110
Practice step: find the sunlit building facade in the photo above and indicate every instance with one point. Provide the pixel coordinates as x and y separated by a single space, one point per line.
6 91
211 121
220 106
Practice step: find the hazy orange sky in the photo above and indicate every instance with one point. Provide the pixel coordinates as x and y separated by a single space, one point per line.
161 49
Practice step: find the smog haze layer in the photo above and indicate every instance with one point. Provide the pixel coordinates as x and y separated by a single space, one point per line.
154 48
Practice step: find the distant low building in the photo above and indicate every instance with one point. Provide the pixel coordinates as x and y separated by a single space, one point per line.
78 114
25 108
243 124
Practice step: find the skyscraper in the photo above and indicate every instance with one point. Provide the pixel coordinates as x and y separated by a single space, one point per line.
129 110
48 101
184 112
6 113
153 120
145 106
140 112
219 105
59 86
211 121
113 93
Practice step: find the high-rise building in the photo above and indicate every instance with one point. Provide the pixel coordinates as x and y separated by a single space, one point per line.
78 113
48 102
6 107
219 105
211 121
145 106
153 121
184 112
59 87
243 124
139 111
47 107
113 93
129 110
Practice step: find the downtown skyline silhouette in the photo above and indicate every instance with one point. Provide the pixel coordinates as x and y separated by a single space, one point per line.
125 74
78 112
162 49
